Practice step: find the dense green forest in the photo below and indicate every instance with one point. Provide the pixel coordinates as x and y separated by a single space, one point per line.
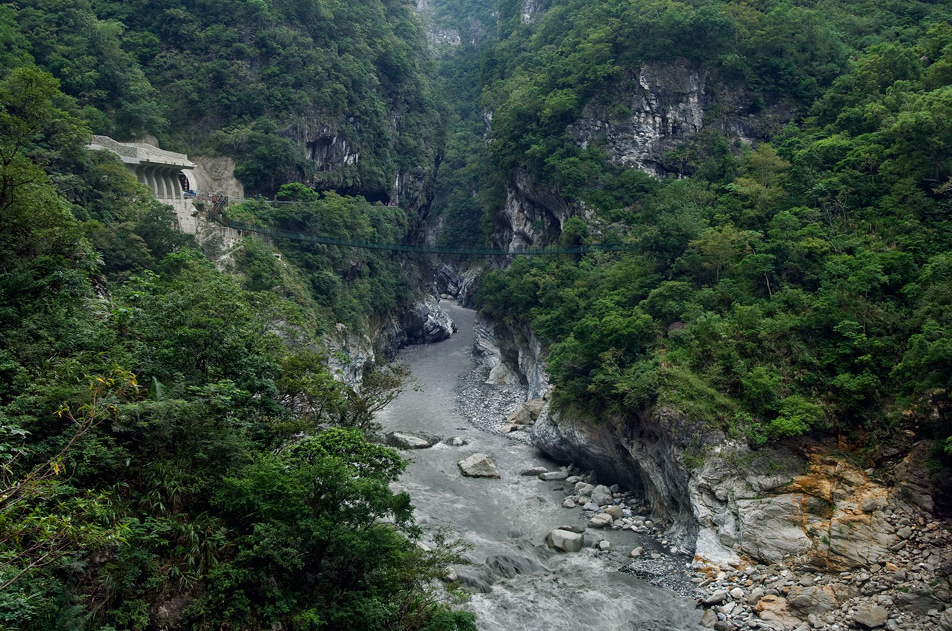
174 450
337 285
464 175
249 79
796 287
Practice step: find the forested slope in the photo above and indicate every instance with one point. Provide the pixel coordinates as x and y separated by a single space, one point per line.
794 287
336 94
174 450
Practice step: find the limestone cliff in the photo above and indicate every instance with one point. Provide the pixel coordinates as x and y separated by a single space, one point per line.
336 151
803 504
422 323
664 104
514 356
656 112
531 215
449 27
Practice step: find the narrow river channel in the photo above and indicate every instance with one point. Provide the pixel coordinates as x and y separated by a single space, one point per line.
517 583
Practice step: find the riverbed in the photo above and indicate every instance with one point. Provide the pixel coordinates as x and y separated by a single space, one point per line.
516 582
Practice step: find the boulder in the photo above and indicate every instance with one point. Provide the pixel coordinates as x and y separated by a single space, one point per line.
568 503
401 440
520 417
605 545
583 488
815 600
449 575
549 476
773 609
637 552
917 602
945 620
870 616
601 495
717 598
456 441
534 407
602 520
478 466
564 540
708 618
614 511
533 471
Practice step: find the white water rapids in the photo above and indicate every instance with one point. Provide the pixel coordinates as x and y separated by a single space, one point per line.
517 582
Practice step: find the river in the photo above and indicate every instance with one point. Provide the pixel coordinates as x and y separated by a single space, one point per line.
518 583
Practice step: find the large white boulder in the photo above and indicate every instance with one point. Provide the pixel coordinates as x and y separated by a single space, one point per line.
478 466
402 440
564 540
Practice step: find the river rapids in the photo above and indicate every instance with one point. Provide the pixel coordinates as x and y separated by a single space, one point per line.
516 582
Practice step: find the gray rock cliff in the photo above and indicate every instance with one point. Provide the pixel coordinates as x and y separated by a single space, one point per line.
665 104
334 155
804 504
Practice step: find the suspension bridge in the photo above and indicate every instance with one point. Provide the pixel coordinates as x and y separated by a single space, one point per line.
220 204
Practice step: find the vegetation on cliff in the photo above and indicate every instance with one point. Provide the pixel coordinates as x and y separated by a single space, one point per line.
793 287
174 449
338 285
254 80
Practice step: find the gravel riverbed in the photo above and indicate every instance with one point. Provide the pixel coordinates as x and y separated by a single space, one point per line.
487 406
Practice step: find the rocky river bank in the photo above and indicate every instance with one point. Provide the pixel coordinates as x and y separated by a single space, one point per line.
872 558
512 578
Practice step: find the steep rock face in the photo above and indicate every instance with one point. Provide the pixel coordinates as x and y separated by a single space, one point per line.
646 456
457 283
487 353
514 355
530 216
336 156
215 175
531 10
426 322
443 38
665 104
658 109
804 504
327 148
439 40
814 508
423 323
349 353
